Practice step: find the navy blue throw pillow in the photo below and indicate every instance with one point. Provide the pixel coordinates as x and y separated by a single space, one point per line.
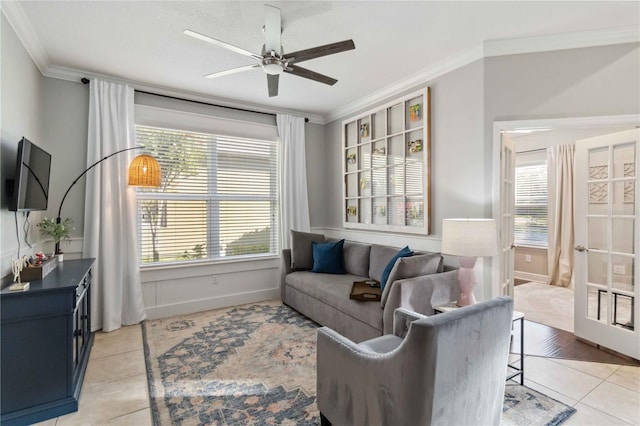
405 252
328 257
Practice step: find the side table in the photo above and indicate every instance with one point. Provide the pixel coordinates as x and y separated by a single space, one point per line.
515 368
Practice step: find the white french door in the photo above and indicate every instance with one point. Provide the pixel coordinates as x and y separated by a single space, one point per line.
507 207
606 237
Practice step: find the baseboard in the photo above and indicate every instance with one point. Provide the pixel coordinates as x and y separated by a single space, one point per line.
530 277
192 306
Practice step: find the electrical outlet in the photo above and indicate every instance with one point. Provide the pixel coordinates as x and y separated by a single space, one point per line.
619 269
527 258
214 280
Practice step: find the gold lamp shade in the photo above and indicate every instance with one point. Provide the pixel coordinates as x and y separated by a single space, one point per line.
144 171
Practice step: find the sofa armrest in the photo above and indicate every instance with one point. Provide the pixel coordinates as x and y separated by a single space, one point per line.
285 268
420 294
402 318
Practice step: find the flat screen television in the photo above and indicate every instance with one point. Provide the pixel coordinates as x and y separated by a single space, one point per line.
31 184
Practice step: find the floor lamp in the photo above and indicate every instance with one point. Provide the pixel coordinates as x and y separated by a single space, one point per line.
468 239
144 171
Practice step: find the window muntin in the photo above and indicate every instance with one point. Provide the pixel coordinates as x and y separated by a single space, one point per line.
218 197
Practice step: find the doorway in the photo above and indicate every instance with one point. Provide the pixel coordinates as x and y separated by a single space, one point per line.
550 305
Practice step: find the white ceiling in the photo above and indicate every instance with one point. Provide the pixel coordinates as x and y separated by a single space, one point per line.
396 42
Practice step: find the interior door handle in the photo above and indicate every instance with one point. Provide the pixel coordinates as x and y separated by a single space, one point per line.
581 248
513 246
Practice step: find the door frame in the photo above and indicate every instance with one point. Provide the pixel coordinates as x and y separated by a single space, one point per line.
549 123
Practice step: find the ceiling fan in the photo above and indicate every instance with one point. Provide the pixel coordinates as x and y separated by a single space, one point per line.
273 60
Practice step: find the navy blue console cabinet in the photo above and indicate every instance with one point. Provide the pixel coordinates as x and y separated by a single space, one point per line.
46 341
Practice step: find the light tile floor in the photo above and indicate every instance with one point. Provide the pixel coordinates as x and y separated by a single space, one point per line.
115 388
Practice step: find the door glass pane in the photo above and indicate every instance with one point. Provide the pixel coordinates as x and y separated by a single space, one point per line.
622 311
351 210
623 198
622 237
597 234
597 304
622 273
598 163
598 198
598 266
415 212
624 160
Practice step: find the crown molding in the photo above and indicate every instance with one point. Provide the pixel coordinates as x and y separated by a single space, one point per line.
410 82
12 10
563 41
490 48
71 74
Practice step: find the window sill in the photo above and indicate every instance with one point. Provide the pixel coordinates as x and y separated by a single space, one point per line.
203 263
524 246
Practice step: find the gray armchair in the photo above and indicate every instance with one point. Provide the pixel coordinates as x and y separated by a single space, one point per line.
444 369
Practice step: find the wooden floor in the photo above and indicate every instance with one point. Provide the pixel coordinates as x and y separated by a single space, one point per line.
545 341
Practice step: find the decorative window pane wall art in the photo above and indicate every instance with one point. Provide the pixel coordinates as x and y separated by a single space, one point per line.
386 166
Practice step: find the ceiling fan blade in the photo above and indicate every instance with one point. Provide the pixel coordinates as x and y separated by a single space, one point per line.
222 44
272 83
232 71
311 75
272 30
317 52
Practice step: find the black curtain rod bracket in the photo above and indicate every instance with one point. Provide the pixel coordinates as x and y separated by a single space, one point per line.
85 80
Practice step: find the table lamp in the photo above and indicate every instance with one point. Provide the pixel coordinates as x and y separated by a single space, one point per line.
468 239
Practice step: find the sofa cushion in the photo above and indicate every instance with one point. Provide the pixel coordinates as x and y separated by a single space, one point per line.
301 251
378 260
410 267
334 290
405 252
328 257
356 258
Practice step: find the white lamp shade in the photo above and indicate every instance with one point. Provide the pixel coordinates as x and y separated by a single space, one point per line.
469 237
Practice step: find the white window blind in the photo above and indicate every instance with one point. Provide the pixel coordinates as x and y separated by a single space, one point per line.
218 198
530 219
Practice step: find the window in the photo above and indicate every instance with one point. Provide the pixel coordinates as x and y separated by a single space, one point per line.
218 198
531 221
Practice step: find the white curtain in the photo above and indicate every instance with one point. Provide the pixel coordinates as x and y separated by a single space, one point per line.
294 202
110 233
560 169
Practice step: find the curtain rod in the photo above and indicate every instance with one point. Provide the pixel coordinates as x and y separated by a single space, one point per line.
306 120
531 150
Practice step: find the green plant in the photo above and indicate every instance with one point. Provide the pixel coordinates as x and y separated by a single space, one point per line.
57 231
198 253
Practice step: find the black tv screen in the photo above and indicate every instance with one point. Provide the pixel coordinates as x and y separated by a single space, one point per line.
31 185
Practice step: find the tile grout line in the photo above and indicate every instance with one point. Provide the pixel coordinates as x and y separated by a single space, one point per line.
599 410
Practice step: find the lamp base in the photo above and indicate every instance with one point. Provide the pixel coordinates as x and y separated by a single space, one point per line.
467 281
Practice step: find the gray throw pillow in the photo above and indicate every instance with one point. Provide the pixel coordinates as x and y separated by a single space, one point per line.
378 260
301 251
356 258
410 267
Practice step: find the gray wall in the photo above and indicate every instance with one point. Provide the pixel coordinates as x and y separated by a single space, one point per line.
457 177
21 88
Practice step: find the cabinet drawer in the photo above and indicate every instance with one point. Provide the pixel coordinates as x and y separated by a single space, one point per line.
24 306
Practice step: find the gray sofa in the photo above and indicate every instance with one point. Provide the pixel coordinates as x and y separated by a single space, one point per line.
415 283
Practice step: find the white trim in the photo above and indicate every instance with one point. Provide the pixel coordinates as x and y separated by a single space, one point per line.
563 41
530 277
12 10
554 123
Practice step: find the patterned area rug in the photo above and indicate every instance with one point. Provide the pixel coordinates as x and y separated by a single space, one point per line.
255 365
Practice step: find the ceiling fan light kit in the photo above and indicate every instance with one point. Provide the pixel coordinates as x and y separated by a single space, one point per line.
273 61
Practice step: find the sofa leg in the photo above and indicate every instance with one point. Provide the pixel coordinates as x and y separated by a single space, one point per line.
324 421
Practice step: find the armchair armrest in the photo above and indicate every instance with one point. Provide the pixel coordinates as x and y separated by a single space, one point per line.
402 318
420 295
